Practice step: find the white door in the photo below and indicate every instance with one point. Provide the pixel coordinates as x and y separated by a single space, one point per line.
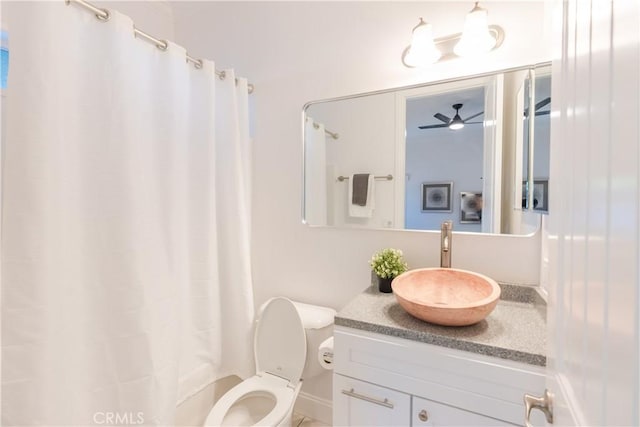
594 232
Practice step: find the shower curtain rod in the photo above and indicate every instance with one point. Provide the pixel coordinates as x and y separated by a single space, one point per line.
334 135
104 15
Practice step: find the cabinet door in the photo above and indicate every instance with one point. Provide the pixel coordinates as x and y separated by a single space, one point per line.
358 403
429 413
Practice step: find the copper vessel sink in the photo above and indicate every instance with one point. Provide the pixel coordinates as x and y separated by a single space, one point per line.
446 296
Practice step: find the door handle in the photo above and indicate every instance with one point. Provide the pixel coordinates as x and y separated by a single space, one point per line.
544 403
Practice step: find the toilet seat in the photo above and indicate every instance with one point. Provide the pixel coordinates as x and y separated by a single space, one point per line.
280 350
278 388
280 341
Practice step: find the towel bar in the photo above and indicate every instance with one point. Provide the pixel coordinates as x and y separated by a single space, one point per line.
378 177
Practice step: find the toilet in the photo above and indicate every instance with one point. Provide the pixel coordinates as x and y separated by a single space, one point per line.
286 341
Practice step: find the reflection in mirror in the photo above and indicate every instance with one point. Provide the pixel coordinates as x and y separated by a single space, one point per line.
537 129
525 135
392 159
435 154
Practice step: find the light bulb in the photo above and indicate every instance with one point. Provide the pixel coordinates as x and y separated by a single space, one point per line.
476 38
422 51
456 123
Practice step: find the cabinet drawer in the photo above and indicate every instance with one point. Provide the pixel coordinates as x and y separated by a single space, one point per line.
359 403
426 412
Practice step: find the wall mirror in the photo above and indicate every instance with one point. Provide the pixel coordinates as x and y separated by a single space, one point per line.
412 157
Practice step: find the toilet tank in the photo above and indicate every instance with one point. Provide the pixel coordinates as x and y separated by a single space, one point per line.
318 325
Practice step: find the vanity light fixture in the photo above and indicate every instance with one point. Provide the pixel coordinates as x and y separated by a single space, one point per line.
476 39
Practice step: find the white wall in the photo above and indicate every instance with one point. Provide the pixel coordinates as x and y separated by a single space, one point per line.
295 52
453 156
299 51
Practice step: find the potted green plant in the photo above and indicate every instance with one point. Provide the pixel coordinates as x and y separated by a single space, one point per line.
387 264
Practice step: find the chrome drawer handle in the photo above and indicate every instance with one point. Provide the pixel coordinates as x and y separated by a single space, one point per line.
423 416
384 402
544 403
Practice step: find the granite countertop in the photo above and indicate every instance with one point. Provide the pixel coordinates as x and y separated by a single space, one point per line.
515 330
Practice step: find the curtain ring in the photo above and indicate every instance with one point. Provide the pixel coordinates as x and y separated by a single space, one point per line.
199 64
222 75
163 46
102 14
105 17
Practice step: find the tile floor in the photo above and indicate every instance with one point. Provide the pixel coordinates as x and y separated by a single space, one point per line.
302 421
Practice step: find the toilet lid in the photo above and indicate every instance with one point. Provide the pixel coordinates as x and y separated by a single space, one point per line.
280 341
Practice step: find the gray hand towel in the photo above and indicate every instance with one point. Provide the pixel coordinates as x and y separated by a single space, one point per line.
360 185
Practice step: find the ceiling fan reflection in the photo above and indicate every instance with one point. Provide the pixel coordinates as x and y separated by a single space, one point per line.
454 123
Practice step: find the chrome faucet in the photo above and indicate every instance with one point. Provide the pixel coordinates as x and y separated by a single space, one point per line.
445 244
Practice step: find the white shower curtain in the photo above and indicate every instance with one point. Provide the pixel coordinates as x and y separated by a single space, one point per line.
126 282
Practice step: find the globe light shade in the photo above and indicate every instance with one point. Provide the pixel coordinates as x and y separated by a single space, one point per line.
476 38
422 51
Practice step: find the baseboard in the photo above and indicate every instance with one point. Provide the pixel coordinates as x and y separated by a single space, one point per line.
314 407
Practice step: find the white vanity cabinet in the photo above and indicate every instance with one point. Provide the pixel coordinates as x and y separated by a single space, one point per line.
382 380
